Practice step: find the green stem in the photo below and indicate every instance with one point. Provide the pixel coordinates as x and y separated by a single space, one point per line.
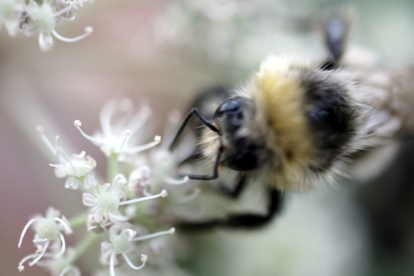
84 245
113 166
79 220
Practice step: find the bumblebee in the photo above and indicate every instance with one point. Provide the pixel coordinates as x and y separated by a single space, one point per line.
298 125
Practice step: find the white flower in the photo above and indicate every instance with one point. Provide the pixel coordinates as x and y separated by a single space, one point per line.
162 161
73 5
106 200
164 166
47 236
139 181
10 15
78 168
121 243
44 18
119 122
61 266
122 238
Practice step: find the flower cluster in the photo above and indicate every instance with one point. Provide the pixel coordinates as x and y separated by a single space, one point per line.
40 16
120 212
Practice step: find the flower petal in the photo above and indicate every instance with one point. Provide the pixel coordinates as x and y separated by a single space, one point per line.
89 181
119 192
45 41
72 182
89 200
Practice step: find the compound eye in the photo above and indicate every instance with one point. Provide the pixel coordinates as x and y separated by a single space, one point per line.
230 106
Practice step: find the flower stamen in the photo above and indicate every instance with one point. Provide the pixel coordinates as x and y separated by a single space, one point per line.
127 133
88 32
68 230
62 251
112 264
78 125
157 140
41 132
45 247
154 235
25 230
144 259
66 157
162 194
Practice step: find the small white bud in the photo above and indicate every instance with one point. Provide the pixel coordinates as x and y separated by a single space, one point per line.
89 29
144 258
77 123
40 129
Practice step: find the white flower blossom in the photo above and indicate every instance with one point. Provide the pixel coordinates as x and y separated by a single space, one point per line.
111 207
162 161
10 15
44 17
139 181
106 201
121 243
48 238
164 167
120 122
78 168
122 239
61 266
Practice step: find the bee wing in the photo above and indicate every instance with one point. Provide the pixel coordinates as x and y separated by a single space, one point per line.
389 92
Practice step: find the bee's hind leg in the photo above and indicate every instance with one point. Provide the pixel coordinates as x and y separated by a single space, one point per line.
242 221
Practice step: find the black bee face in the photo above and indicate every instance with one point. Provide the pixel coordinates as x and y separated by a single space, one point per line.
242 152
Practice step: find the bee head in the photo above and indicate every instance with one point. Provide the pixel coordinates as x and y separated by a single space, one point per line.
235 121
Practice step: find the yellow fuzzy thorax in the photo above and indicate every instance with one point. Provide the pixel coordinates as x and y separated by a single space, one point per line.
280 101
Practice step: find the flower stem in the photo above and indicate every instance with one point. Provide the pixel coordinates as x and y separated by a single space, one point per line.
84 245
79 220
113 166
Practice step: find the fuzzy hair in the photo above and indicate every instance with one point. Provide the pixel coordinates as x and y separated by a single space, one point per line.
278 93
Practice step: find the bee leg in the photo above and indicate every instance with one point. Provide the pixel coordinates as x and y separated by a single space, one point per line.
234 192
185 122
250 221
244 221
215 170
196 155
231 192
335 30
